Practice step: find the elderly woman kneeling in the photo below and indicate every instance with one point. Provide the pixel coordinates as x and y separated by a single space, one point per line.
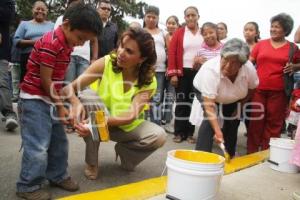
224 84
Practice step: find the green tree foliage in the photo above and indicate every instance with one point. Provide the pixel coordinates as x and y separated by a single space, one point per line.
121 8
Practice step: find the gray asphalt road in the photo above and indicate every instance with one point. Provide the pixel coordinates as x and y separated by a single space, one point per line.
110 173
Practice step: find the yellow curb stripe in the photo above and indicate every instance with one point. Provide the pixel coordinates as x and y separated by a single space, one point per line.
246 161
140 190
155 186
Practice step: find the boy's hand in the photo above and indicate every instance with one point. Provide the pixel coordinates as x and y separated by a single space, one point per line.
82 129
77 113
63 115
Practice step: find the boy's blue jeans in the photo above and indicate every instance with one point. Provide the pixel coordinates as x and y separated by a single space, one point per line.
45 145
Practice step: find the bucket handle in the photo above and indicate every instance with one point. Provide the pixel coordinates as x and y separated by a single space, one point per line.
273 162
171 197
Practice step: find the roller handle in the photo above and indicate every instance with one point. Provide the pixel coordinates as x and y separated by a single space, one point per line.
273 162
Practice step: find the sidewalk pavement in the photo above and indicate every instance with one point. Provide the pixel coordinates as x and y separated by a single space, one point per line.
256 183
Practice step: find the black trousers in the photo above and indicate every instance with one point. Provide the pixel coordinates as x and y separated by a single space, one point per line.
23 63
184 100
230 130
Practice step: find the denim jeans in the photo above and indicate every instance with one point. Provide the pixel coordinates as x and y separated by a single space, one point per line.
297 80
157 100
45 145
5 93
76 67
168 102
15 75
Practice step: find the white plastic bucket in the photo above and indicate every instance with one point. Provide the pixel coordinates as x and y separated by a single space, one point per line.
280 154
190 180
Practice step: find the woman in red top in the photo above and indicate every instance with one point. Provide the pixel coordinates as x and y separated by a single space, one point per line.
182 69
269 101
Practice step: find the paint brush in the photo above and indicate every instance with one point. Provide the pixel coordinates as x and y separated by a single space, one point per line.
98 126
226 155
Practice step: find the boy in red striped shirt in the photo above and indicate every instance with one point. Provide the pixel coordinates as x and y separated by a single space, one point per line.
41 109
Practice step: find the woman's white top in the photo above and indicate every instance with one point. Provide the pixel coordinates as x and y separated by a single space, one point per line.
214 85
160 48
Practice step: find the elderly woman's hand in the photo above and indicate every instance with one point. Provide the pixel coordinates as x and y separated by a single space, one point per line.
218 137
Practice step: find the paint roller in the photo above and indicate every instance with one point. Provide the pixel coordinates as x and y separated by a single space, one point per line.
226 155
98 126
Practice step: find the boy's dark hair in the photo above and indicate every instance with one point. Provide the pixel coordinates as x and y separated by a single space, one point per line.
83 17
105 1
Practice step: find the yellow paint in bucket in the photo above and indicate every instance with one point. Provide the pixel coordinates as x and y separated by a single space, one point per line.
198 156
193 174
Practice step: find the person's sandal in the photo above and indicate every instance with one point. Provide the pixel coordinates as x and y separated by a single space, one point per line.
191 140
91 172
177 139
296 195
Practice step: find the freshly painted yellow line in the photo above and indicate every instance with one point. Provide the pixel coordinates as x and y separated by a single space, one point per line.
140 190
246 161
155 186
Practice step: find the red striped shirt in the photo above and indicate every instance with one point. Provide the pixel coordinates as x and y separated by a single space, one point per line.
52 51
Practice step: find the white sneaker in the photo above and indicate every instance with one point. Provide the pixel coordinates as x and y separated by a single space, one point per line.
11 123
169 128
296 195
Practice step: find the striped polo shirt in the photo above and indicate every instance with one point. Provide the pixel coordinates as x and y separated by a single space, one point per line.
209 52
52 51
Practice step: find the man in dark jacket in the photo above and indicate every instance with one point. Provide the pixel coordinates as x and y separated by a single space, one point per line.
108 39
7 11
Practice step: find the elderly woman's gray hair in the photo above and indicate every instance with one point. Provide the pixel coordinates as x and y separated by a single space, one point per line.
236 47
285 21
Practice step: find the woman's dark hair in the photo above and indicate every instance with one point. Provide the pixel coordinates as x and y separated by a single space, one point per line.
146 46
151 9
285 21
83 17
175 18
223 24
74 1
193 8
209 25
257 37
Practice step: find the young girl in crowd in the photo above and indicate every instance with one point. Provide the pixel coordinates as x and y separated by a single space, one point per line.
151 26
172 24
251 34
210 48
211 45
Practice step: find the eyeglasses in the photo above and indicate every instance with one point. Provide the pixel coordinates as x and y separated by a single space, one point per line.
105 8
